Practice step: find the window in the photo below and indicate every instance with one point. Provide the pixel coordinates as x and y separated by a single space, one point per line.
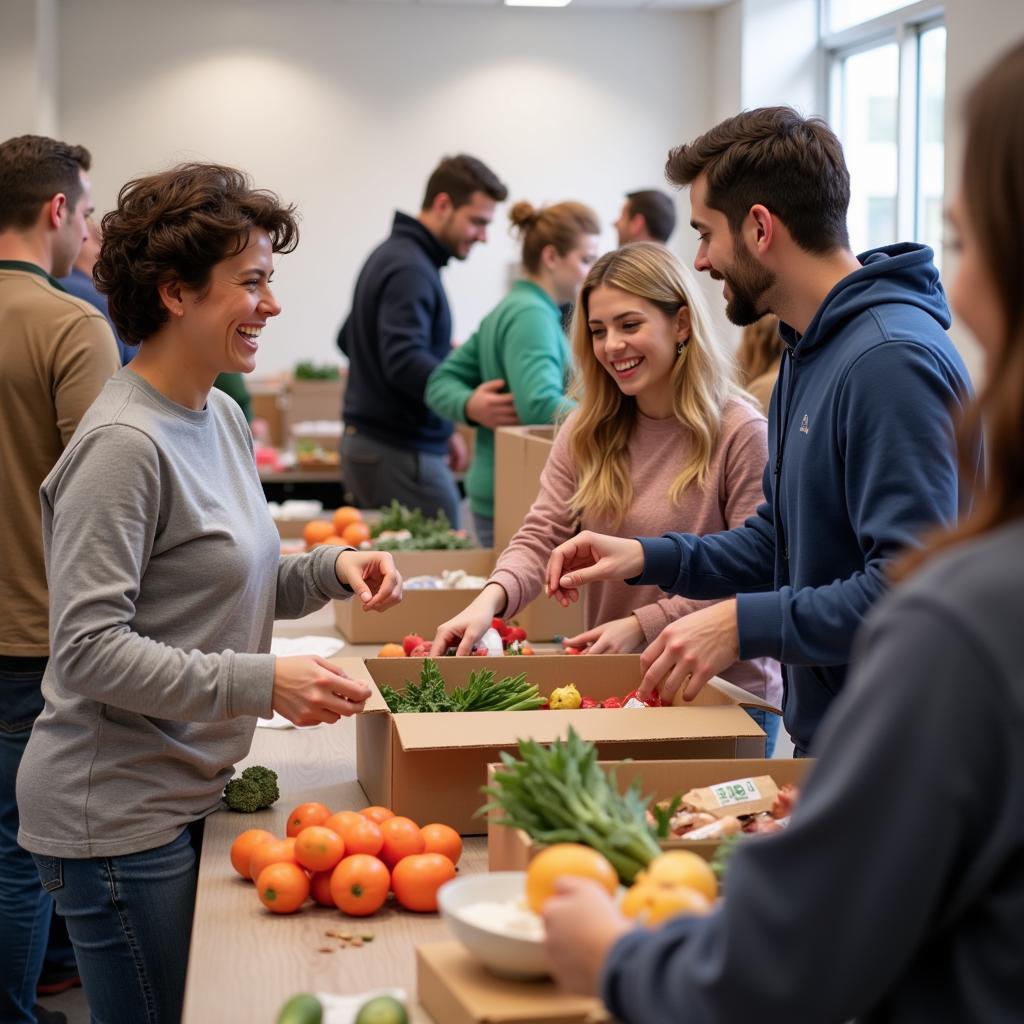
887 103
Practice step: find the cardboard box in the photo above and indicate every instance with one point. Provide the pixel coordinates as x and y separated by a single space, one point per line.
431 766
311 400
511 849
456 989
520 454
421 611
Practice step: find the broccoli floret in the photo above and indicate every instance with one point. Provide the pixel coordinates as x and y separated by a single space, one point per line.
266 780
243 795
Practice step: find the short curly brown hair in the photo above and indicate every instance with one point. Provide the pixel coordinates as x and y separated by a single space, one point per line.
176 226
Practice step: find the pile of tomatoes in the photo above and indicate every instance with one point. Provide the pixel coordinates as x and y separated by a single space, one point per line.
350 860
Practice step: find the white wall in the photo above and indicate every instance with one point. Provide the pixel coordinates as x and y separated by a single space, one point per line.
345 110
28 67
976 34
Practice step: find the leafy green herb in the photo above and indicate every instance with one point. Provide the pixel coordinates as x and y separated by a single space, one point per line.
427 534
481 693
307 370
559 794
663 815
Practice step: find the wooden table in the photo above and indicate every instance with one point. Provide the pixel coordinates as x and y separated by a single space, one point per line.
244 961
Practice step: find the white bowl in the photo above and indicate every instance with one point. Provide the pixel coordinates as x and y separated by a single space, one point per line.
511 956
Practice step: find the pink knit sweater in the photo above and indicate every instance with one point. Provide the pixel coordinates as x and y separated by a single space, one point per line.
657 451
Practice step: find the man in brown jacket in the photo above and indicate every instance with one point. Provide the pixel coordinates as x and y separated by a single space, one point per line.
56 353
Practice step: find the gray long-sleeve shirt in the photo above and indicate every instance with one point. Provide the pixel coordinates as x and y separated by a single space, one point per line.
165 578
897 894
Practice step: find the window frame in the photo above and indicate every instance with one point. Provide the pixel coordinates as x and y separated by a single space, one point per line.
904 27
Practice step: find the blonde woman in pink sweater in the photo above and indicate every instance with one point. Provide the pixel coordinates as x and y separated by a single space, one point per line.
663 439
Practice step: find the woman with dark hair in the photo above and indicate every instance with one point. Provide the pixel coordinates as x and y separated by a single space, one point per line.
165 578
897 892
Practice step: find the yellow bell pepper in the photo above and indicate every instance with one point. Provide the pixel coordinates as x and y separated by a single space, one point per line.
565 698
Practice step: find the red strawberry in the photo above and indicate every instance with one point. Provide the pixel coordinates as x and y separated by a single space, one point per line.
517 633
420 651
612 702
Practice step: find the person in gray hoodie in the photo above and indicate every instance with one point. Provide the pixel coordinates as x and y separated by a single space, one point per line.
897 892
165 577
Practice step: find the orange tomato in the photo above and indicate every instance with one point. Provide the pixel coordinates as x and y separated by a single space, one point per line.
318 848
355 534
562 859
362 836
320 888
359 885
416 879
241 849
391 651
402 838
346 516
377 813
283 888
305 815
337 821
316 532
442 839
277 851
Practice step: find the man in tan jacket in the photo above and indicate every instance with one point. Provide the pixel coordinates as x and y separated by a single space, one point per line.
56 353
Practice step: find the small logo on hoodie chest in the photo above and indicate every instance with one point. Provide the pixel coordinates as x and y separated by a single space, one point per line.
805 425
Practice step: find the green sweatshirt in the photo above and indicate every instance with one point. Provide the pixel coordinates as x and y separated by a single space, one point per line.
521 342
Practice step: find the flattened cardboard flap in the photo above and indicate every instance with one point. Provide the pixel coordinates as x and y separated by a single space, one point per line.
455 989
479 729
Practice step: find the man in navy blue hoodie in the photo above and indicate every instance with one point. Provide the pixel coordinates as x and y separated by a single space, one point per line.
398 330
861 422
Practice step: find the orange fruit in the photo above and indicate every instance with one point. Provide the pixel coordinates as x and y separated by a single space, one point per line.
416 879
562 859
283 888
334 541
305 815
241 849
359 885
278 851
355 534
653 904
681 867
320 888
391 651
346 516
442 839
318 848
337 821
402 838
362 836
316 532
377 814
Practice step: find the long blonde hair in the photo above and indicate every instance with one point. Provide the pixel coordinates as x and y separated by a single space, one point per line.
703 382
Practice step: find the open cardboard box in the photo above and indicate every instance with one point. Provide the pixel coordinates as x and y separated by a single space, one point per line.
421 611
520 454
455 989
431 766
511 849
293 529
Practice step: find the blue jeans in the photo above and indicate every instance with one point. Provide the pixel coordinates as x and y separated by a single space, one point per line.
483 527
25 907
130 921
770 723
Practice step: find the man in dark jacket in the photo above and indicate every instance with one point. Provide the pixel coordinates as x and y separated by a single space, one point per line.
860 426
398 330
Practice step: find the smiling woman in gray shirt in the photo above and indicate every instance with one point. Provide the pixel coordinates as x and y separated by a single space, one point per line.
165 578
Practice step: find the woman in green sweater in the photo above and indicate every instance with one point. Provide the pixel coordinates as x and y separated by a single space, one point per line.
520 347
